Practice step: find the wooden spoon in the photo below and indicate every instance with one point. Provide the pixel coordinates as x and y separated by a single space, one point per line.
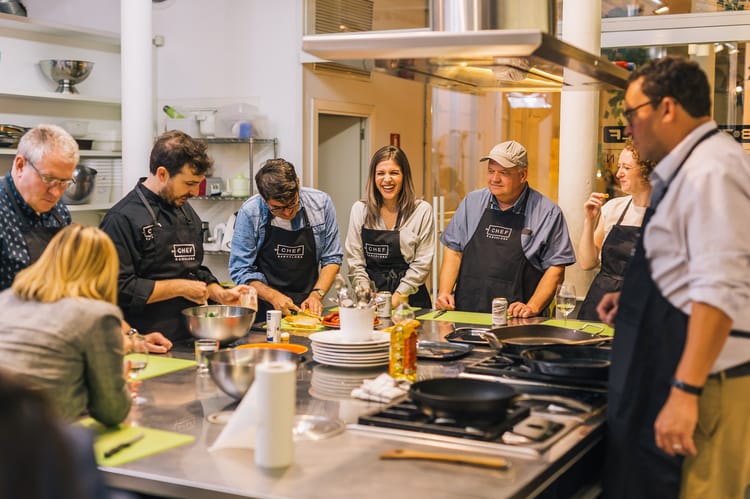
486 462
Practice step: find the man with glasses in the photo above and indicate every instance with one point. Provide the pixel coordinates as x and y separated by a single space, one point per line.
160 243
286 242
678 389
30 208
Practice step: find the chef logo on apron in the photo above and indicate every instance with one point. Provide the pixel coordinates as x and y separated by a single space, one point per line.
498 232
284 251
148 232
183 252
376 250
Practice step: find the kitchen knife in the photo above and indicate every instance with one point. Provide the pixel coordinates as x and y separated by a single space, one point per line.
486 462
439 313
117 448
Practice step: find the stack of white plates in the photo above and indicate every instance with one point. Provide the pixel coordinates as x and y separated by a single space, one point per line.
329 348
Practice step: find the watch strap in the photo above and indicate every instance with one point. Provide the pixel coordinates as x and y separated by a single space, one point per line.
320 292
687 388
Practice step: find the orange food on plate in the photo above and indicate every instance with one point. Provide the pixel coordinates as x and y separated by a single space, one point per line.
298 349
333 320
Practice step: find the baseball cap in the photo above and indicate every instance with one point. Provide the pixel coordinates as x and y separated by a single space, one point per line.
508 154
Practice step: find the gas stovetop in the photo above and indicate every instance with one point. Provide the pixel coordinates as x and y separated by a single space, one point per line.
540 416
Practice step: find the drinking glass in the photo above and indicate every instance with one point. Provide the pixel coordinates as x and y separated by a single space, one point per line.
566 300
135 362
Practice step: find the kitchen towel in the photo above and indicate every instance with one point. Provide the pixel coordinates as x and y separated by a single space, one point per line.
264 419
153 441
158 365
382 389
456 316
586 327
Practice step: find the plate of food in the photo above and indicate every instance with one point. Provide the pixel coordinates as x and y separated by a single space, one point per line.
333 320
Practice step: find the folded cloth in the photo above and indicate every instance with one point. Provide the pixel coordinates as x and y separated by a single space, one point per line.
382 389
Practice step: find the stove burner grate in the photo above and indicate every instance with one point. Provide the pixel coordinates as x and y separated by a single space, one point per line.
499 366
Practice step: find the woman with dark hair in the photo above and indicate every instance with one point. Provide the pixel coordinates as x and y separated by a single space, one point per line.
617 229
390 238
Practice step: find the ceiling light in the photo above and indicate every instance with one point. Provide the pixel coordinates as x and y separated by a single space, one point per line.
662 10
732 48
718 47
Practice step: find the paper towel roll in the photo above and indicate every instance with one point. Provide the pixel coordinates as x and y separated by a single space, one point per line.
275 383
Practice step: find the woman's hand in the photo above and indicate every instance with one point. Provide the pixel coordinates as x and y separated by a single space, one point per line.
593 206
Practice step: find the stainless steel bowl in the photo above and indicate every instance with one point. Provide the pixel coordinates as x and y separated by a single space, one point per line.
80 192
66 73
233 369
225 323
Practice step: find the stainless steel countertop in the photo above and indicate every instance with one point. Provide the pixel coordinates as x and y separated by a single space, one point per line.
346 465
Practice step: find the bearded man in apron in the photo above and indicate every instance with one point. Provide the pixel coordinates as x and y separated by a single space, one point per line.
677 417
31 210
506 240
159 241
286 242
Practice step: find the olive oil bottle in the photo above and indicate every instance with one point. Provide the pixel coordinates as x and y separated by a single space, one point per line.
403 352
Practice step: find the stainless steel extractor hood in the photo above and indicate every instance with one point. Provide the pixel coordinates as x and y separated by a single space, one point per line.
469 59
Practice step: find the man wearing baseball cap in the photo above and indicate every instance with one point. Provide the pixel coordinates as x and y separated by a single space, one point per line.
505 240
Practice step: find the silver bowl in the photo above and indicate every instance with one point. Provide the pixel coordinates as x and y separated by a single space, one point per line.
66 73
233 369
225 323
80 192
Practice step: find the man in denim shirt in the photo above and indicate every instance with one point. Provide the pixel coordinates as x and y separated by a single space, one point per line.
286 242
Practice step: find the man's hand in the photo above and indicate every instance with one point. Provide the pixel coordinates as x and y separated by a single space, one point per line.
282 302
157 343
195 291
521 310
607 308
676 422
313 303
227 296
445 301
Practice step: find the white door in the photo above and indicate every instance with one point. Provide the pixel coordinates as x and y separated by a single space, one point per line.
342 163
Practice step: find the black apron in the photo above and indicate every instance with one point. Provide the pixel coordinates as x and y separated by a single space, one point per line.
287 260
385 263
36 238
494 264
616 251
650 338
170 252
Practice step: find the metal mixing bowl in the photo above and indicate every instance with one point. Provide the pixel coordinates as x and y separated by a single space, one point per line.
66 73
80 192
225 323
233 369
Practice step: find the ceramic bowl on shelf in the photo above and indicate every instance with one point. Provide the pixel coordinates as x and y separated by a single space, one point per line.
66 73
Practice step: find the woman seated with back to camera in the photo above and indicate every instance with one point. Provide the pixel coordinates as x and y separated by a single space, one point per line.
61 328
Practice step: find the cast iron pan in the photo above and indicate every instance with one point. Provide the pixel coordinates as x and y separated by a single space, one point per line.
441 350
569 361
463 399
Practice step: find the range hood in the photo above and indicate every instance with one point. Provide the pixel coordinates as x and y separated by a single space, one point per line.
472 60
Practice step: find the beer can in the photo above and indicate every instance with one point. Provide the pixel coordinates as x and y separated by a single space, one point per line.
383 299
499 312
273 326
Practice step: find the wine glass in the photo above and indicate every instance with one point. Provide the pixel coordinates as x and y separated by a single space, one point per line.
135 362
566 300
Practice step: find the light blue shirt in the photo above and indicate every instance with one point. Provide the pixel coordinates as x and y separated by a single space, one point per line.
250 232
545 239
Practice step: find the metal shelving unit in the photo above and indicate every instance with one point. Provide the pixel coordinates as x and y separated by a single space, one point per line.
251 143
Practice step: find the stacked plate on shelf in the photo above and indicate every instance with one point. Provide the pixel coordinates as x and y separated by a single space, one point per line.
329 348
330 383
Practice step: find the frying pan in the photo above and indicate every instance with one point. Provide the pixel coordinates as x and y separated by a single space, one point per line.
474 401
569 361
515 339
463 399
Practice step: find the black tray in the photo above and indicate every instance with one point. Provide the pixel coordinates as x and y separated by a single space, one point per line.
441 350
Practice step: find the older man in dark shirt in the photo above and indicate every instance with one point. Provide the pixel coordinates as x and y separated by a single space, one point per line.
30 208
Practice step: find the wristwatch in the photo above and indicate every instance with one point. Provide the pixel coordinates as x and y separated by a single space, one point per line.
691 389
132 331
320 292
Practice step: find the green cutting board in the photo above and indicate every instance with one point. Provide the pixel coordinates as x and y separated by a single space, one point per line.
158 365
456 316
153 441
586 327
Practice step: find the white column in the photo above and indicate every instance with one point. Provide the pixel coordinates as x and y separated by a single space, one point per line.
137 90
579 130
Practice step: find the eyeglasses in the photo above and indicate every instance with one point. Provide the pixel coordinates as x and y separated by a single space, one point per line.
628 113
49 180
286 207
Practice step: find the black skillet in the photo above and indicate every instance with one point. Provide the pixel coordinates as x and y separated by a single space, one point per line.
569 361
